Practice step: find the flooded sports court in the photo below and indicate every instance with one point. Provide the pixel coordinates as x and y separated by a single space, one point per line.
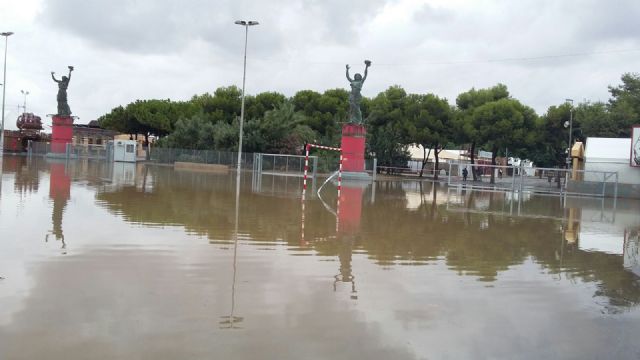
126 261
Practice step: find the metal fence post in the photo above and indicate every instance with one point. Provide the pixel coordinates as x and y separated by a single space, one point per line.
521 180
615 192
375 171
315 167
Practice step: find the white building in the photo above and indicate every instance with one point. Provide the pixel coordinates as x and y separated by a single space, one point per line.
612 155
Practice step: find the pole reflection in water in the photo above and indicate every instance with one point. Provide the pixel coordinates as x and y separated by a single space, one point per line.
60 193
230 321
1 171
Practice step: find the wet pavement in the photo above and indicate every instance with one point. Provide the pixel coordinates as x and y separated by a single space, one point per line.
103 261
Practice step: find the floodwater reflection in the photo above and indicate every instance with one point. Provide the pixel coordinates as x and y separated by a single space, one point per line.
162 262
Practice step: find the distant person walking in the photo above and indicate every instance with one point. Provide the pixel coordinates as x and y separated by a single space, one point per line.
465 173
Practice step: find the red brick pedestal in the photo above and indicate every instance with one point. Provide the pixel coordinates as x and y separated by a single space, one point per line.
353 138
61 133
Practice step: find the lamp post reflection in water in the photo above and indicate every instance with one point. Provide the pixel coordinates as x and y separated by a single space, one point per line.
1 170
230 321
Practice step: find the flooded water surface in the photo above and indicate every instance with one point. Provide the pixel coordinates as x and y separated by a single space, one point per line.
103 261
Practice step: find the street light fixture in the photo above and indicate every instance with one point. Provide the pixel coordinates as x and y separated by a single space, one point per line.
246 25
4 88
570 125
24 106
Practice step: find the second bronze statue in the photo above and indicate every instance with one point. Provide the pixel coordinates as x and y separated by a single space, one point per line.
355 98
63 84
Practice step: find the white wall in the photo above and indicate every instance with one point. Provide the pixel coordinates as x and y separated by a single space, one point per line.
611 154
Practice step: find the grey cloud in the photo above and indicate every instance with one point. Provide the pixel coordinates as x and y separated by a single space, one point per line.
431 14
605 21
167 26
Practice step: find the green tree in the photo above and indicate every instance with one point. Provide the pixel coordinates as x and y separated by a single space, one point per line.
465 124
387 127
118 119
430 125
504 123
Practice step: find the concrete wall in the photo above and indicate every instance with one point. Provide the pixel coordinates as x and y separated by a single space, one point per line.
626 173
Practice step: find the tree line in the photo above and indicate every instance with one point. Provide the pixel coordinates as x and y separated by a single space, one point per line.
481 119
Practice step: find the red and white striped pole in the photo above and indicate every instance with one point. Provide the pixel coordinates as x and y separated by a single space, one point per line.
340 175
339 189
306 170
303 242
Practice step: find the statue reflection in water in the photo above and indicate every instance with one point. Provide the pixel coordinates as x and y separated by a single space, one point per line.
60 193
346 274
349 213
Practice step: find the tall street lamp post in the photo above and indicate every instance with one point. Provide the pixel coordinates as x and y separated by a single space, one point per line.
4 88
246 25
24 106
570 125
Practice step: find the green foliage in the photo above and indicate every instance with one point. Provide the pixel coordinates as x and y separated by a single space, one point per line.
223 105
191 133
323 112
593 119
148 117
255 107
552 138
624 105
281 130
505 123
482 119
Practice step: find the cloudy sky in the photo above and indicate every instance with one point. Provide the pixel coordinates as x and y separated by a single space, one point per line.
123 50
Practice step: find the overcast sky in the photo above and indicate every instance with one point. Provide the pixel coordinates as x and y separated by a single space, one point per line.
123 50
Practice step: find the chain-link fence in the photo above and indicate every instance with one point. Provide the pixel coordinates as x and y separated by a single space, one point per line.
170 156
281 164
71 151
38 148
89 151
533 179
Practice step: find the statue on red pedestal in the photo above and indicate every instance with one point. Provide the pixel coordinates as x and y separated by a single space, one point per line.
63 105
355 98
